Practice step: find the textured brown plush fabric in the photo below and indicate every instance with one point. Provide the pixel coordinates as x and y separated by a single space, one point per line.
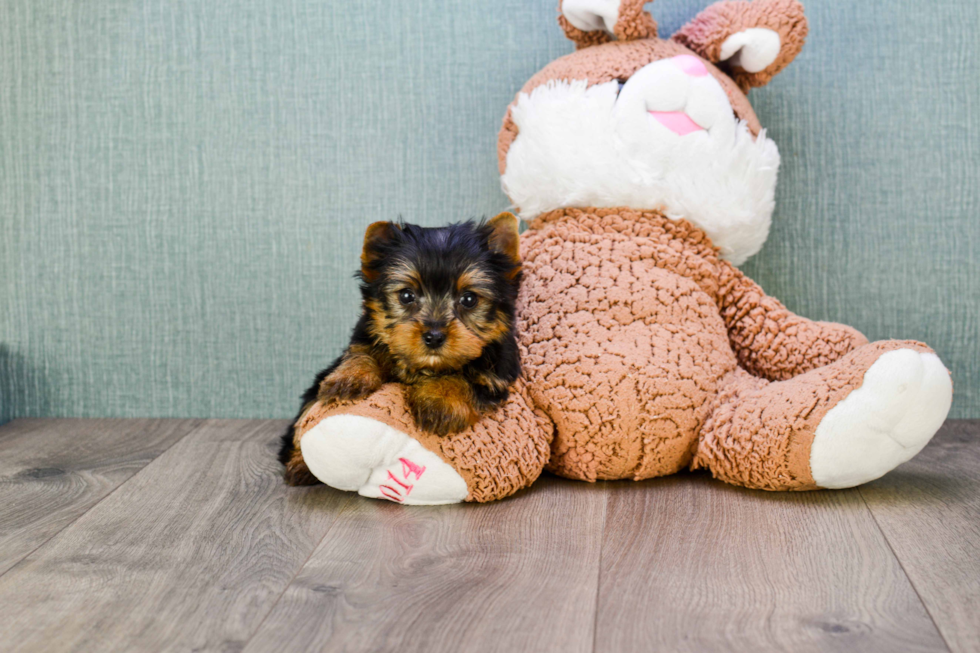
771 342
621 333
630 323
492 466
705 34
759 433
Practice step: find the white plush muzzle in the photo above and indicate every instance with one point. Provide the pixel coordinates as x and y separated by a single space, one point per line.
667 140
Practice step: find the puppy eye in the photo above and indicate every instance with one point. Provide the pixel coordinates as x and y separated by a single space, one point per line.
468 300
406 297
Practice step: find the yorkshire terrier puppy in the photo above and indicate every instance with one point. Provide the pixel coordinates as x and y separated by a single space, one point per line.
438 317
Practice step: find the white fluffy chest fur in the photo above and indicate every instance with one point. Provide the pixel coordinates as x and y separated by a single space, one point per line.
603 146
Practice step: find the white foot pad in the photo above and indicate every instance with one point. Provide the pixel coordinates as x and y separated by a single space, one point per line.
362 455
900 405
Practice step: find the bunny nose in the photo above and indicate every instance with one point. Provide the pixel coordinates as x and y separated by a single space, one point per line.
691 65
433 338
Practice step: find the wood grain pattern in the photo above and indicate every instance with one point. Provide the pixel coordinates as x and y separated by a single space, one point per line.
929 510
691 564
190 554
519 575
204 548
52 471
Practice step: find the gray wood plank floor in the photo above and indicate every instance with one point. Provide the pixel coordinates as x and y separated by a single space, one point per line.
53 471
152 535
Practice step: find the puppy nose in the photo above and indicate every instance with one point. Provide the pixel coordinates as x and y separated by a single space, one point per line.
434 338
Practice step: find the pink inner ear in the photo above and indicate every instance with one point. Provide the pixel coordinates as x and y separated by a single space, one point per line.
690 65
676 121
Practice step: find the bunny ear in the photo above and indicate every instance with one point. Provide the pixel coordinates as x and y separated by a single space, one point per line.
591 22
752 41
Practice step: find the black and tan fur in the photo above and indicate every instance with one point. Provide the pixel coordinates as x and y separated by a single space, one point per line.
455 284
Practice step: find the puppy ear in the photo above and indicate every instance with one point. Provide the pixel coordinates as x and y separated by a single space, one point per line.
377 236
752 41
504 237
592 22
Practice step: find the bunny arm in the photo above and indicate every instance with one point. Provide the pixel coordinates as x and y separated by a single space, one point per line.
770 341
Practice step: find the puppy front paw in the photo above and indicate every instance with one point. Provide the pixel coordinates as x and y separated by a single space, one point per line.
442 405
443 420
356 377
336 387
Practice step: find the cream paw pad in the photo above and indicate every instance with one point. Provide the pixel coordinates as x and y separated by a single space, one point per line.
359 454
898 408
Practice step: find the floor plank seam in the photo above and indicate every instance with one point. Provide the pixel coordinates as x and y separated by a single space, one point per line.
299 570
197 424
901 566
598 581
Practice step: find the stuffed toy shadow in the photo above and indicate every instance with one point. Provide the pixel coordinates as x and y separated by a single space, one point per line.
646 178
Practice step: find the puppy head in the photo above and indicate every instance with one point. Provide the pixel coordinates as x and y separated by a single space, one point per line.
437 296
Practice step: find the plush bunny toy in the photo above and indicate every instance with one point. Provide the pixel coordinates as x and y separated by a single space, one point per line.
645 178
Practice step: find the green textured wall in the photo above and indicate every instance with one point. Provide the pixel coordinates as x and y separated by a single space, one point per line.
184 184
